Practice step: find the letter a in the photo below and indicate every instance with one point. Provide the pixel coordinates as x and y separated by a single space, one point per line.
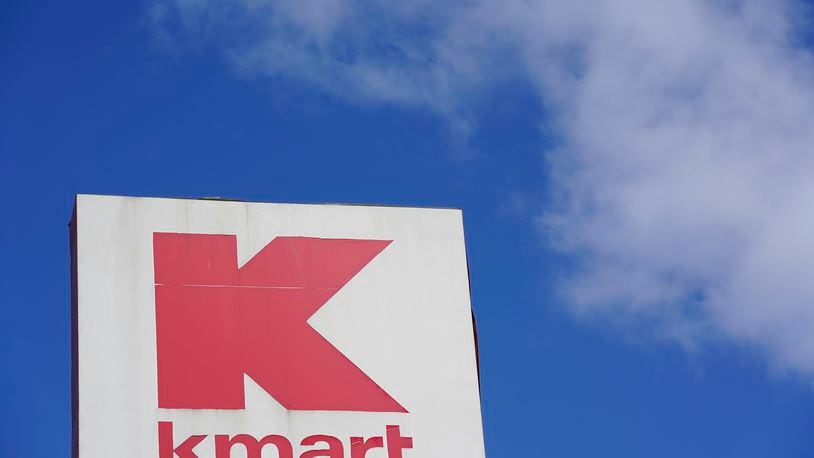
334 450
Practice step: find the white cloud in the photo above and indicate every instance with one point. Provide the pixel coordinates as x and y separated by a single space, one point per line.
685 180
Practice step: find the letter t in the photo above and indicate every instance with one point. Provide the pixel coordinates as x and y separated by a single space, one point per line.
396 443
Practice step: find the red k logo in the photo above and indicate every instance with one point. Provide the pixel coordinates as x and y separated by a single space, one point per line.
216 322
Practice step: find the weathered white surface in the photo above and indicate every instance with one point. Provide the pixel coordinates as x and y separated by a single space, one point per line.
404 320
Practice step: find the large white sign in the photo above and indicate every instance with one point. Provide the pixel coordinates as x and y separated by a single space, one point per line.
231 329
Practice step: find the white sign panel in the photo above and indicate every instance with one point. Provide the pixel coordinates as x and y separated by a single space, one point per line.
231 329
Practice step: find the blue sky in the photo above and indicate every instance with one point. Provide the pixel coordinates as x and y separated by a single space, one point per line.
106 98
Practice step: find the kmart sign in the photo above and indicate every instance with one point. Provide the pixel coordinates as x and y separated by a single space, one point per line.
232 329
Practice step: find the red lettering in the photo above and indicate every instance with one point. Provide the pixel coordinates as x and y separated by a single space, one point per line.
396 442
165 443
216 322
359 446
334 450
254 448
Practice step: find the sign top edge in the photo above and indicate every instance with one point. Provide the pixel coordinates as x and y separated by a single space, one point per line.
82 196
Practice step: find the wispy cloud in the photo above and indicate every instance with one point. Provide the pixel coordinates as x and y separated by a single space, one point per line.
684 182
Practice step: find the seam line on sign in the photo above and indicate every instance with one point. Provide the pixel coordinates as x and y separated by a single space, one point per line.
249 286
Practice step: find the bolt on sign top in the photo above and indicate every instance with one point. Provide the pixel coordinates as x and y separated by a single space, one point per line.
223 329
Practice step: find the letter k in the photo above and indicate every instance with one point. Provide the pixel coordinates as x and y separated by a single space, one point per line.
216 322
